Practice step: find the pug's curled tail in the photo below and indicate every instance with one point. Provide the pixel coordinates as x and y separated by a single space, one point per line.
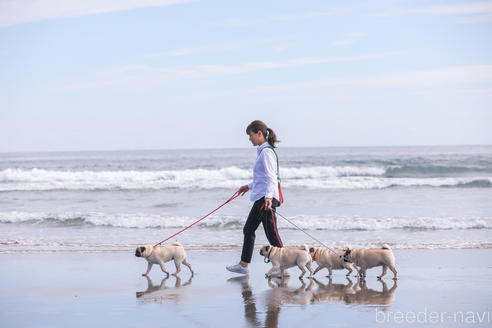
176 243
304 248
386 246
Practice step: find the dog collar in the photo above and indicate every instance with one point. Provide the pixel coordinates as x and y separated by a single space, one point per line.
314 255
151 252
268 256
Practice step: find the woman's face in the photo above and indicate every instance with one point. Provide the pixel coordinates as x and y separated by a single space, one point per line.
256 138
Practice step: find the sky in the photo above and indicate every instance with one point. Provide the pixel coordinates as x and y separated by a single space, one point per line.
159 74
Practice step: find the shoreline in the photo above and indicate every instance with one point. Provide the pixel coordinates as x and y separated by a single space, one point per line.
101 289
208 249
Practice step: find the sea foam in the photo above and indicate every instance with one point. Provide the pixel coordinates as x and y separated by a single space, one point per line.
306 222
343 177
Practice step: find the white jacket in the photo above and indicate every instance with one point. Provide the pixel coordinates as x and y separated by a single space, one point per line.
264 175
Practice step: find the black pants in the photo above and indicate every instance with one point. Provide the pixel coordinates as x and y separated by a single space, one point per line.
258 215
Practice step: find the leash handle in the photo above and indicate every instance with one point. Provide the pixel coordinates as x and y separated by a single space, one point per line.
236 194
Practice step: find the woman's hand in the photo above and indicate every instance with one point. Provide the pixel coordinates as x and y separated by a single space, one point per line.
243 189
268 203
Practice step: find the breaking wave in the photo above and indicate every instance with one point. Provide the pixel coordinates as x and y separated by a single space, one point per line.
307 222
434 171
317 177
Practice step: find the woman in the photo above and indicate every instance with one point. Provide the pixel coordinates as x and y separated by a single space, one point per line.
264 194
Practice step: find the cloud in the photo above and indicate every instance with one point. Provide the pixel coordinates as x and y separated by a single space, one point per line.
149 76
277 45
13 12
421 79
468 8
276 18
212 48
283 47
466 11
349 38
206 70
266 65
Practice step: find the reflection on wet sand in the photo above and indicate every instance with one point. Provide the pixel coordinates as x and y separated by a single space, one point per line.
332 292
249 300
160 293
364 295
280 293
354 294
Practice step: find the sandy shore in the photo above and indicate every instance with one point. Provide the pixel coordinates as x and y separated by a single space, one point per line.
437 288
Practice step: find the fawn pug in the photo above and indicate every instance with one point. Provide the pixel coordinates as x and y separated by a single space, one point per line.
162 254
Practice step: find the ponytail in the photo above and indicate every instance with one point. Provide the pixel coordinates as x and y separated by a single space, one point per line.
268 133
271 137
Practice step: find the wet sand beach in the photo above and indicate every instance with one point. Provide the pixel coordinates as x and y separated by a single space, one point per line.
437 288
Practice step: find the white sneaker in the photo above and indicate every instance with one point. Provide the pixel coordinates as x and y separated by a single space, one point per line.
238 268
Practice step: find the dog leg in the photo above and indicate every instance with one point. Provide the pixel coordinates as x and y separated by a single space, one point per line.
395 273
302 270
362 272
310 286
163 268
149 266
329 271
178 267
272 270
189 266
311 272
318 268
358 271
385 287
178 282
385 268
349 267
350 283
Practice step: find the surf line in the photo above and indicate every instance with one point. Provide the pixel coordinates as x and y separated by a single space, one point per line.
236 194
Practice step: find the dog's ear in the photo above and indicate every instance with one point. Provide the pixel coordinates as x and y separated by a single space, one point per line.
311 250
347 251
142 250
267 248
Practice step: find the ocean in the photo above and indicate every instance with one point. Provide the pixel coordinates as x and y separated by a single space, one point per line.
407 197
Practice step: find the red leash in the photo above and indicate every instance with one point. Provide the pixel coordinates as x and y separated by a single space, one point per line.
236 194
